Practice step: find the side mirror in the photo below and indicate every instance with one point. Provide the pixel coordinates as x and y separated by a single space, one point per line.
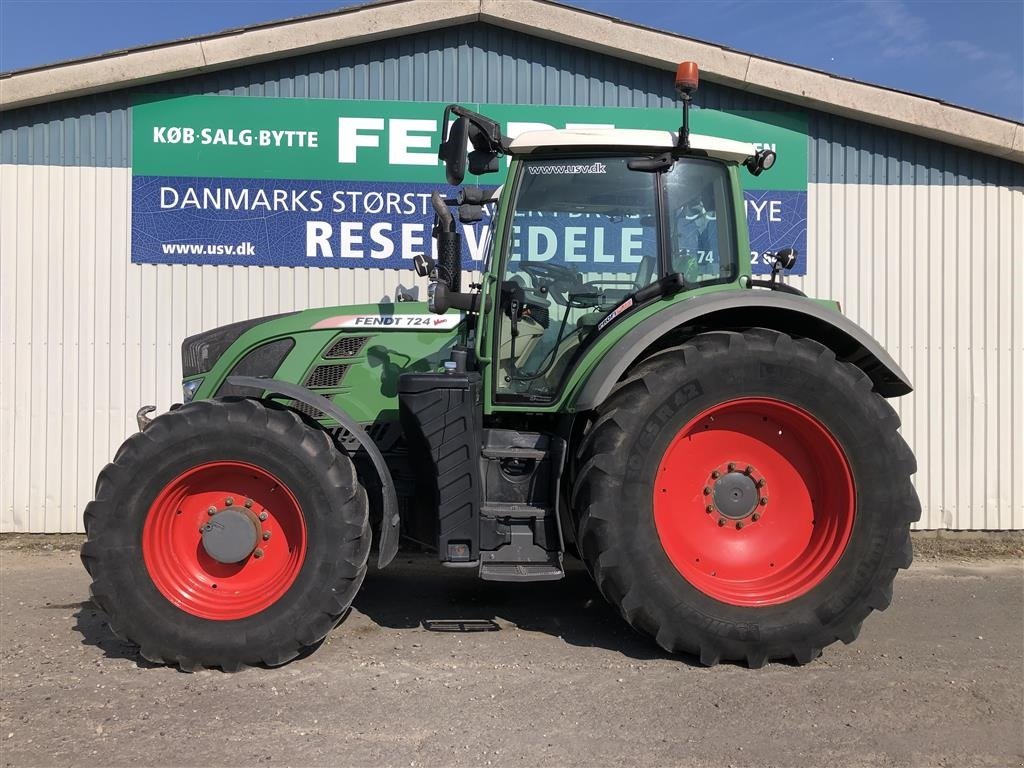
482 161
453 151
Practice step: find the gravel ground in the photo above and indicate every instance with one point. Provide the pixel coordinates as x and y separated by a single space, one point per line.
937 680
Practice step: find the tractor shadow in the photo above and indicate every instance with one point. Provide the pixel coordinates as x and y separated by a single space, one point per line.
91 624
416 591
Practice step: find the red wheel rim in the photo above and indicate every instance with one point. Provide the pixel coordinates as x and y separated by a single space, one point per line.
800 516
180 567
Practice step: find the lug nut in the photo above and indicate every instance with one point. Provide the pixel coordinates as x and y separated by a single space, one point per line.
721 522
739 525
762 483
248 503
709 508
211 511
749 470
764 500
715 474
707 491
266 535
756 516
258 553
731 466
263 515
229 501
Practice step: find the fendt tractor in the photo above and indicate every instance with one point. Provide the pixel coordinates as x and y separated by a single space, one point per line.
717 448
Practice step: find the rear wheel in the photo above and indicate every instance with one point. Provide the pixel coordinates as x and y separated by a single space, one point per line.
228 533
745 497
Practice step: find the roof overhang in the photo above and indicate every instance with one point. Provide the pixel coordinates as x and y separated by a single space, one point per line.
232 48
789 83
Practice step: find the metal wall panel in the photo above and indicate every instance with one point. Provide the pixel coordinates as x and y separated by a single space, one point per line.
922 243
87 337
931 271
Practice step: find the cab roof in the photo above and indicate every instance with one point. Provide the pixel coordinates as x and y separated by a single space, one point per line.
628 138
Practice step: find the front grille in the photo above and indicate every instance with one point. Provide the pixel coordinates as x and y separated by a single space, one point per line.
346 346
200 352
193 360
326 376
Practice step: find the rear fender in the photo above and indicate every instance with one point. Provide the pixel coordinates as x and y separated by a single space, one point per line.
389 534
794 315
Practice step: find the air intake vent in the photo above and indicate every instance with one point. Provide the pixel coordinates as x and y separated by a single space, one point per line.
308 410
326 376
346 346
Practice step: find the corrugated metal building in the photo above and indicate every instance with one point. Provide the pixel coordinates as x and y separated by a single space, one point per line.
915 223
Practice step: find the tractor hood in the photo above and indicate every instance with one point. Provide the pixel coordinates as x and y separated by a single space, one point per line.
350 354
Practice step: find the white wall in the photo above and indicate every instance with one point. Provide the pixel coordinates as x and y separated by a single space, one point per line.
87 337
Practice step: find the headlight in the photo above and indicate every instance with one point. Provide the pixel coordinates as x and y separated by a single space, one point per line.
189 389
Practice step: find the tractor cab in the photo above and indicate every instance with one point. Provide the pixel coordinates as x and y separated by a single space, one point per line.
592 232
591 226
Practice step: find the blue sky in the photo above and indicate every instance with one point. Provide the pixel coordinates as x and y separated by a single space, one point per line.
968 53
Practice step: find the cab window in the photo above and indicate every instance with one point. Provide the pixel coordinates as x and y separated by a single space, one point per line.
702 244
583 237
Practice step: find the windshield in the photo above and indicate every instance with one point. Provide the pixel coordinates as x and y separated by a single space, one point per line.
583 237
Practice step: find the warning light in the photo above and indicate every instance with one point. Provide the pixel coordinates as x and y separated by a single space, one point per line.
687 77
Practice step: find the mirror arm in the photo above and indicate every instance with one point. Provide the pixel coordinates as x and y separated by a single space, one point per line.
490 129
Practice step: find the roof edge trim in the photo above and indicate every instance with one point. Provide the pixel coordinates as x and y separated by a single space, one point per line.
793 84
232 48
813 89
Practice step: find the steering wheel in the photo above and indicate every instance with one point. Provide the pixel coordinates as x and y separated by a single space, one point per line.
553 273
564 280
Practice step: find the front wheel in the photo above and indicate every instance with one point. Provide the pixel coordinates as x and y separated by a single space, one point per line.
745 497
230 532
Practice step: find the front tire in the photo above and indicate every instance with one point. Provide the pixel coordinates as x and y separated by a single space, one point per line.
171 580
746 497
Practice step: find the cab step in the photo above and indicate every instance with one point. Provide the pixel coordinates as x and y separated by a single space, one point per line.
550 571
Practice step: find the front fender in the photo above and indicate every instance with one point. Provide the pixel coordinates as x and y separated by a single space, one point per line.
795 315
389 533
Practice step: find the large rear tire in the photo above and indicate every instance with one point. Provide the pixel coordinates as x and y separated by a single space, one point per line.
230 532
745 497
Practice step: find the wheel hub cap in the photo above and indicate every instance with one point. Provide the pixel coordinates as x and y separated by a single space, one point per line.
735 495
231 535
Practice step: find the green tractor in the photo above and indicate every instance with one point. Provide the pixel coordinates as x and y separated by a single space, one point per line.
716 448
